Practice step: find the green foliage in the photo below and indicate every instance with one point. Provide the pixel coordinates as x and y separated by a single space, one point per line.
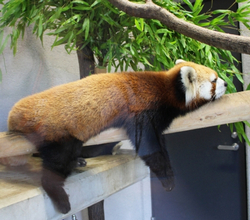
123 41
3 42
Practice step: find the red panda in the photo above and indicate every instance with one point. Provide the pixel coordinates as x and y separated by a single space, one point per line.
60 119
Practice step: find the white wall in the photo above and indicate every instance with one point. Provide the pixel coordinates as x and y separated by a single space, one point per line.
33 69
36 68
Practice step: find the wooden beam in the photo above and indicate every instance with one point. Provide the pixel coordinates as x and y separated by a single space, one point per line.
230 108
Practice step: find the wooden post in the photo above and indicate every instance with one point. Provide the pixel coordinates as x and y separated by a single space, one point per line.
96 211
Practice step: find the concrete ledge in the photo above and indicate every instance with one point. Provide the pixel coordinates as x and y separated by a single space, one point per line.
22 197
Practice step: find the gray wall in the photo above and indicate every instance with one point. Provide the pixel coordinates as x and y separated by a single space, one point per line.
31 70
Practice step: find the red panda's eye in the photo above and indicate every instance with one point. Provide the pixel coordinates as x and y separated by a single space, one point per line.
214 81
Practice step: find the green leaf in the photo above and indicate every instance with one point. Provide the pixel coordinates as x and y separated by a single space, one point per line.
221 11
80 2
55 15
139 23
146 61
243 7
72 20
197 7
111 21
40 26
82 8
239 77
3 45
228 80
238 1
189 4
248 87
95 3
247 123
86 28
218 19
59 30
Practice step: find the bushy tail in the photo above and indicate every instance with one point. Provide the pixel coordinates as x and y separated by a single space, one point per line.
15 149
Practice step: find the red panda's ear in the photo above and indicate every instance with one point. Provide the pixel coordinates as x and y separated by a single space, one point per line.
180 61
188 75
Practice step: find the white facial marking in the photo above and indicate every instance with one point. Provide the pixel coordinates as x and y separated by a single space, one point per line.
212 77
205 90
220 88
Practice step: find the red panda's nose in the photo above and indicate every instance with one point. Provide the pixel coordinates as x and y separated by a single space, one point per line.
225 84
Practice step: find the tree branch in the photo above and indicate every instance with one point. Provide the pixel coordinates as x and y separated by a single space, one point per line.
149 10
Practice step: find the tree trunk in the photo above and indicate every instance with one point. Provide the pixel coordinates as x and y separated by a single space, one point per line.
96 211
86 67
86 61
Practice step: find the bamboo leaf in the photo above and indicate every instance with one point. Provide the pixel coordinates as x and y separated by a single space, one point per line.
137 24
82 8
87 28
189 4
248 87
80 2
95 3
3 45
221 11
40 26
55 15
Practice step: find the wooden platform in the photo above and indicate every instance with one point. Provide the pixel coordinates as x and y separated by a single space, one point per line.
22 197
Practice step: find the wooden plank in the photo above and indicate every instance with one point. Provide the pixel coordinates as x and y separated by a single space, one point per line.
231 108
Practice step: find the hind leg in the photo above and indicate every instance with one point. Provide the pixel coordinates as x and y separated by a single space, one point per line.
59 159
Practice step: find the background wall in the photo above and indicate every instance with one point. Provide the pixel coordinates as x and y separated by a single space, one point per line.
36 68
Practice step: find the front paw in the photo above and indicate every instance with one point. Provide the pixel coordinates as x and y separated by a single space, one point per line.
81 162
167 182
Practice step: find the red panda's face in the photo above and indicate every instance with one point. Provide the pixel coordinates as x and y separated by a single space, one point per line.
200 82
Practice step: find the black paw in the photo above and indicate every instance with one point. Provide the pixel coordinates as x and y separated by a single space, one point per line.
53 185
63 204
160 165
81 162
167 183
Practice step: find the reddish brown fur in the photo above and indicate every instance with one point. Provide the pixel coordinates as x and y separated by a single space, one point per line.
85 107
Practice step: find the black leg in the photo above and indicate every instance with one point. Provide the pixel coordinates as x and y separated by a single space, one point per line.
160 165
149 143
59 159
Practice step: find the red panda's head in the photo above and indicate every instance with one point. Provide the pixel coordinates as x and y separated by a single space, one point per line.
201 84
